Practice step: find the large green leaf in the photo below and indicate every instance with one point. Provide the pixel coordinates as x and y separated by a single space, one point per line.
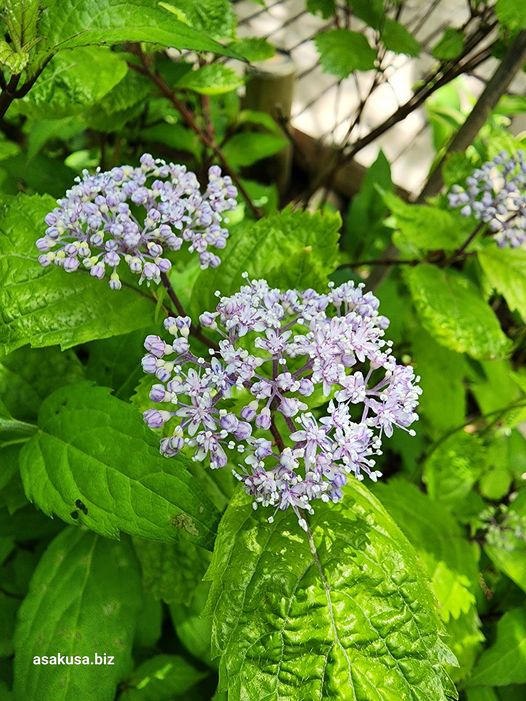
72 82
83 599
342 52
47 306
93 461
348 616
505 661
505 269
247 148
70 23
511 13
289 249
452 310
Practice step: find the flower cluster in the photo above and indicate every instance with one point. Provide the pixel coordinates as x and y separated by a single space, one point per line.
137 216
495 194
299 390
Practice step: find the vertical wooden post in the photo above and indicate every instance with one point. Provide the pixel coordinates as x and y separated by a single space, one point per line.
269 89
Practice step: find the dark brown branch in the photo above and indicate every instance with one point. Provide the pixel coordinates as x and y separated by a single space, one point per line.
277 436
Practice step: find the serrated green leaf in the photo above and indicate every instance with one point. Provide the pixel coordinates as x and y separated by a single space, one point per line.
67 24
449 46
47 306
334 625
247 148
160 679
95 450
215 17
370 11
452 470
325 8
72 82
397 38
121 104
505 661
214 79
424 227
84 598
505 269
453 312
21 19
343 51
288 249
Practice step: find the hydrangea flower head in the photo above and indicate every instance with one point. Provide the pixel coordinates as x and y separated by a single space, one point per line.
495 194
136 217
298 395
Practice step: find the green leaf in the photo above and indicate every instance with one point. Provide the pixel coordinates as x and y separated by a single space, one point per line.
171 571
505 661
288 249
121 104
511 14
374 634
449 46
95 450
193 627
325 8
12 425
214 79
160 678
452 311
72 82
443 400
28 376
342 52
47 306
397 38
68 24
367 210
215 17
84 598
21 19
510 556
247 148
452 470
424 227
8 609
505 269
370 11
253 48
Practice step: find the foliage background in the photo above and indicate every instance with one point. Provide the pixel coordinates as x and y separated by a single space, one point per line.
104 544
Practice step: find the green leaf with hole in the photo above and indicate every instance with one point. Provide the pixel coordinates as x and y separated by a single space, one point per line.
349 616
452 310
94 462
343 51
83 600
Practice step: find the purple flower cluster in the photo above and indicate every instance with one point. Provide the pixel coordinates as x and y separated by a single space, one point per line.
297 394
137 216
495 194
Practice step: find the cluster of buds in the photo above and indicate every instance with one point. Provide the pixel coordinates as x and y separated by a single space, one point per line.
297 394
495 194
137 216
